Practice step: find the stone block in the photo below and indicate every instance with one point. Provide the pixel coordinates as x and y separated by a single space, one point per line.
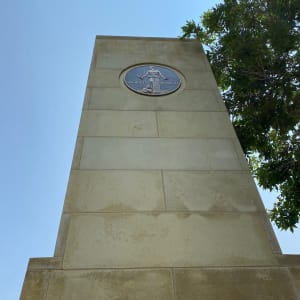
35 285
111 285
195 80
195 124
115 59
295 273
270 235
104 78
77 153
136 240
92 191
62 235
240 153
118 123
158 153
175 53
213 191
234 284
124 99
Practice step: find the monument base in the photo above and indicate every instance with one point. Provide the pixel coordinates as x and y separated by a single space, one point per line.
45 279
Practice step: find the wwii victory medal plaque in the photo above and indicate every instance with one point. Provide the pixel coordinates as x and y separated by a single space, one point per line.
153 80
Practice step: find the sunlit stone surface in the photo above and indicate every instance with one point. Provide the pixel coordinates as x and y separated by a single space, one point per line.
160 202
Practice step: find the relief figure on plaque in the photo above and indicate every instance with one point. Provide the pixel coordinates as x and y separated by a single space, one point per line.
152 79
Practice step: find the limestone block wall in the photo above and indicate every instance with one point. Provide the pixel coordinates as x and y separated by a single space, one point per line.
160 203
159 181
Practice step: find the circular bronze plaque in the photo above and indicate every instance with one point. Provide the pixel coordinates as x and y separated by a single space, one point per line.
152 80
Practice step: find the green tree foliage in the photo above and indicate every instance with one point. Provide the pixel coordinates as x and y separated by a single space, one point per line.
254 50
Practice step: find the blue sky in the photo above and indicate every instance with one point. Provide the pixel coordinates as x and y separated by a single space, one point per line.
46 49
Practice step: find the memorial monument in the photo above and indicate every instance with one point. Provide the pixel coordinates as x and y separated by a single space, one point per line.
160 202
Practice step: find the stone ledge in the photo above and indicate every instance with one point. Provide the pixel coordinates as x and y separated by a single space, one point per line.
229 283
289 260
45 263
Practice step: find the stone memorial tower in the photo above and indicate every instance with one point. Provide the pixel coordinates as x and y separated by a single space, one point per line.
160 203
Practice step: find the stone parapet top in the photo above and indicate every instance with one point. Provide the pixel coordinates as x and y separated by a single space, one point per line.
291 260
45 263
104 37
